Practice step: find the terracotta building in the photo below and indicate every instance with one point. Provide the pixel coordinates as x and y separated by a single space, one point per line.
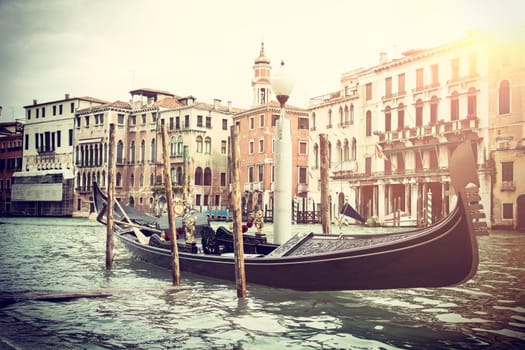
11 140
257 142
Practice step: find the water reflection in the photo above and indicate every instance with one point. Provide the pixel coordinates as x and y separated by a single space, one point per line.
66 254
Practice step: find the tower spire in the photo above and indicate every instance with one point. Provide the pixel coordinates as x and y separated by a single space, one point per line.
261 85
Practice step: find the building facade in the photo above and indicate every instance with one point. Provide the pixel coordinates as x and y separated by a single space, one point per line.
392 128
11 139
198 150
256 141
44 186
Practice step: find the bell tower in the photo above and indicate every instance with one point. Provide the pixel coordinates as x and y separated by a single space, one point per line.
261 83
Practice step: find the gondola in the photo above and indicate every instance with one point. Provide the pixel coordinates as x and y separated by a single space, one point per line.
443 254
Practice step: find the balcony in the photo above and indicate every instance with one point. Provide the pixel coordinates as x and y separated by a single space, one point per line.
508 186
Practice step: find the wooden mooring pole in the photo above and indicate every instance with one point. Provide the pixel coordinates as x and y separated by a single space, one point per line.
175 267
325 196
111 197
240 277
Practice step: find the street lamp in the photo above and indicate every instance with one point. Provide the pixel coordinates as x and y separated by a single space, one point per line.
282 216
282 86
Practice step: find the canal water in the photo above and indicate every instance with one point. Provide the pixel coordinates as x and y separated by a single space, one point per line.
58 255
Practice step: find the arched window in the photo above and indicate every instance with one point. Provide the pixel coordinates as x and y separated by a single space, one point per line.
132 152
400 116
151 180
433 110
180 175
339 150
368 121
77 155
329 154
199 144
173 176
352 113
198 176
419 112
313 117
79 183
329 118
103 179
347 120
388 119
105 153
120 150
207 177
354 149
472 103
346 151
207 145
180 146
153 151
142 151
341 118
118 180
173 146
132 180
316 156
504 97
454 106
141 180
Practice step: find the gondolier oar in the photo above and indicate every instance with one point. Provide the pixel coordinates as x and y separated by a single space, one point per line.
140 236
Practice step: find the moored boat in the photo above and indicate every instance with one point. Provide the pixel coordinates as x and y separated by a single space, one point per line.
443 254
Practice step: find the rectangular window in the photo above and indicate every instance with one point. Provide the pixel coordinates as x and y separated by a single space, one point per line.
171 123
37 112
303 175
58 138
302 123
473 65
28 114
401 84
43 112
223 179
388 87
303 148
60 109
250 147
419 79
507 211
70 137
54 110
252 123
368 166
507 171
368 91
36 141
223 147
275 118
261 121
186 121
199 120
261 173
435 74
250 174
208 122
454 69
225 124
177 123
120 119
142 119
26 141
72 107
261 146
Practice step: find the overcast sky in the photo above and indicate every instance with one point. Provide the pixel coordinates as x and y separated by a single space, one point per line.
206 48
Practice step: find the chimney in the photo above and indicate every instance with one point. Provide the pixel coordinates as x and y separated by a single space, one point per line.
67 96
229 106
34 102
382 58
216 103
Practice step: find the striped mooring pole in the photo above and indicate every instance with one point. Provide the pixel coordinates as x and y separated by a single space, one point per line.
429 207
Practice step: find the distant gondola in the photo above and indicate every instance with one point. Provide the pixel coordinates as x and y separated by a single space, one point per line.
440 255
